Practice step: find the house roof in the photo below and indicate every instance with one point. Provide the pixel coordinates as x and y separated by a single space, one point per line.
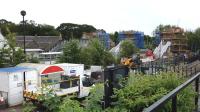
38 42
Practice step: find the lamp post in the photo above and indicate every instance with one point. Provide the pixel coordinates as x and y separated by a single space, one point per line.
23 13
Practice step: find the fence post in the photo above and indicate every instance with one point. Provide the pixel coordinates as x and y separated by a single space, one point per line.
182 70
174 68
152 67
178 68
186 70
191 71
197 90
174 104
195 69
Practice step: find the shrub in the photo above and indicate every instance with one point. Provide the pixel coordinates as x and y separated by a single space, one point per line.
69 105
143 90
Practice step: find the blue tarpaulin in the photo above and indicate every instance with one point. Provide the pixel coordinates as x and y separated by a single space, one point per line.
157 38
136 37
15 69
105 38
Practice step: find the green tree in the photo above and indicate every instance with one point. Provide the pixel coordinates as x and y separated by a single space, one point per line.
5 25
127 49
16 55
32 28
99 55
114 37
161 27
71 52
86 57
96 50
193 40
10 55
108 59
70 30
4 57
148 40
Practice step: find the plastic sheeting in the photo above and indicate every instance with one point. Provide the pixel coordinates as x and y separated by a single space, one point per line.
137 37
105 38
115 50
161 49
157 38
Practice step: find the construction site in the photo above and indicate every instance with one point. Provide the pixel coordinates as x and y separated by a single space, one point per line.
177 38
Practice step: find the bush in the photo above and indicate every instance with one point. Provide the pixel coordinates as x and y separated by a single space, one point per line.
142 91
127 49
93 100
69 105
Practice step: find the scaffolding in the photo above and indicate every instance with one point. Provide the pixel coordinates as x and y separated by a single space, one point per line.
177 38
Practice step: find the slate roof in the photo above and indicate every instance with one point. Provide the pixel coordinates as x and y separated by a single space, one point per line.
38 42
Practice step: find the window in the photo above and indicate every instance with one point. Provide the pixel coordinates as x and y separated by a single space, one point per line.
65 83
75 82
86 82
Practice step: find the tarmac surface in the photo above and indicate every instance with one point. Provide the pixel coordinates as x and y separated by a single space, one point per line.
13 109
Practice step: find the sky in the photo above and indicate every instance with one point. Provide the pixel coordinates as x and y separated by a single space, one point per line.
110 15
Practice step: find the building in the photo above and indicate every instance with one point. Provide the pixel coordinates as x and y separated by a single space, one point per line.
45 48
177 38
135 36
101 35
86 37
45 43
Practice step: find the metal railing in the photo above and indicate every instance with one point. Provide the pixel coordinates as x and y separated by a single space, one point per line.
186 70
173 95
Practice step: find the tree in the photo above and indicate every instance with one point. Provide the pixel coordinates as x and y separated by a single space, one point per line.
148 40
127 49
4 57
86 57
98 53
114 37
193 40
93 54
161 27
5 25
32 28
71 52
96 50
70 30
108 59
10 55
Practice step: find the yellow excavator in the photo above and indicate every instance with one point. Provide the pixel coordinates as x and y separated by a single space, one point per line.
130 62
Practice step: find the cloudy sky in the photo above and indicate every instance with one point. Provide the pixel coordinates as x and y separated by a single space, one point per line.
111 15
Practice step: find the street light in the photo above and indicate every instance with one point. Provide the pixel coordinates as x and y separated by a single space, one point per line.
23 13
